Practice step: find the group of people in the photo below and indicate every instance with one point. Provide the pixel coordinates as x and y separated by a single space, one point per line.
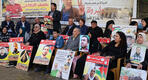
114 50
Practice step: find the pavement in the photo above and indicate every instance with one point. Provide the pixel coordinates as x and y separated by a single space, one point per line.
16 74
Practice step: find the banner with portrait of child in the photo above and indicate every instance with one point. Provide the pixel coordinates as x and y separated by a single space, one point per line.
132 74
96 68
29 8
14 48
24 57
44 52
4 51
62 64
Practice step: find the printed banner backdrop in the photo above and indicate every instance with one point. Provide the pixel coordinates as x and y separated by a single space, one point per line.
44 52
100 10
129 31
14 48
96 67
84 43
62 64
24 57
30 8
4 51
137 54
132 74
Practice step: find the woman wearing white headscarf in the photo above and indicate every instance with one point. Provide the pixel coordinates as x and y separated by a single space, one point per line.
141 38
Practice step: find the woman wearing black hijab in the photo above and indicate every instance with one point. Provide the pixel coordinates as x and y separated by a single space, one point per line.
108 29
145 23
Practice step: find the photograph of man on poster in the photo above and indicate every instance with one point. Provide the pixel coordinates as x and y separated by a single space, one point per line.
137 55
44 53
91 75
15 50
84 44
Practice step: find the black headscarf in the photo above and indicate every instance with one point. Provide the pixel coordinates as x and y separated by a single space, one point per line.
146 20
108 32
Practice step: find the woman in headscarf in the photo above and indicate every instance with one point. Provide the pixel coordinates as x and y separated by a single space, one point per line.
141 37
108 29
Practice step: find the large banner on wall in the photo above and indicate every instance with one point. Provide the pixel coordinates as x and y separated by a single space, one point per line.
30 8
100 10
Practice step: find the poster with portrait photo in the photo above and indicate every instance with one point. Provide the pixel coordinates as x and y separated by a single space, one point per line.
44 52
24 57
137 54
62 64
4 51
84 43
129 31
96 68
14 48
132 74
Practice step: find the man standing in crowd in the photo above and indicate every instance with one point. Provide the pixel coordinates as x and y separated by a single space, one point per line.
9 24
24 25
55 17
70 27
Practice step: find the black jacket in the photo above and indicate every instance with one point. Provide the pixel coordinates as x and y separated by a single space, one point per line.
116 52
10 26
36 38
70 30
56 19
5 37
95 32
107 33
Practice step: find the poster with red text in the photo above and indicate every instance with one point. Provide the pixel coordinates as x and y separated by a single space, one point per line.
14 48
96 68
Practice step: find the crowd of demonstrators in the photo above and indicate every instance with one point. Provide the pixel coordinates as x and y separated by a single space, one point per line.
114 50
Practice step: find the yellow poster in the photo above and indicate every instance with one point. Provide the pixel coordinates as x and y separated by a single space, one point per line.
24 57
4 47
44 52
14 48
30 8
